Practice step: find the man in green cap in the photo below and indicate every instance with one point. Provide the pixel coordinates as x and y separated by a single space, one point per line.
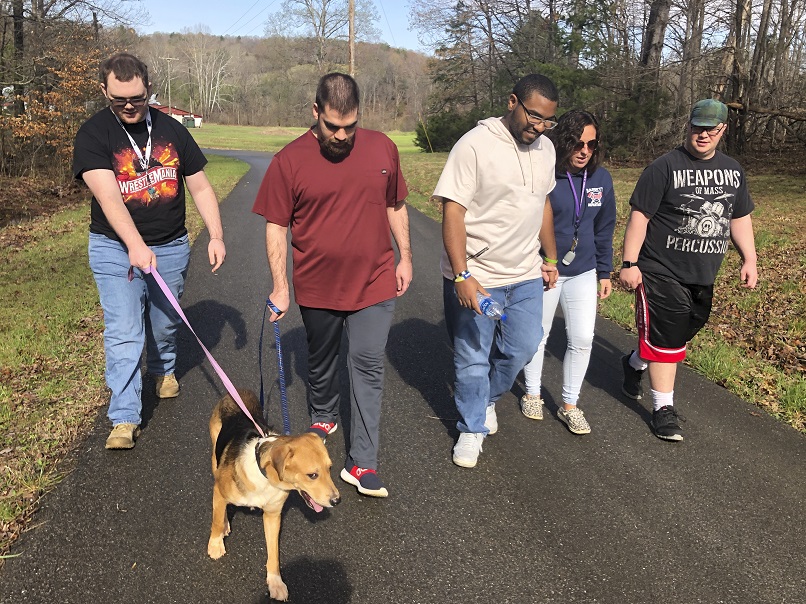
685 207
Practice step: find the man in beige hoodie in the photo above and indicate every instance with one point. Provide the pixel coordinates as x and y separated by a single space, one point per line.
496 221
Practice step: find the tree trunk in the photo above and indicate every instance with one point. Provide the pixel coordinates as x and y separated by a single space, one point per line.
654 34
19 53
692 50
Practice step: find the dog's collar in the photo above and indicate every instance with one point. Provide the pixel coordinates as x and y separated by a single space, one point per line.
260 441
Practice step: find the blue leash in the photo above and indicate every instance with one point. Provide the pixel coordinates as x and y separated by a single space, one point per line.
283 397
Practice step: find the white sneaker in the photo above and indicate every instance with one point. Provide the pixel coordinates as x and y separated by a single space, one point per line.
467 449
491 420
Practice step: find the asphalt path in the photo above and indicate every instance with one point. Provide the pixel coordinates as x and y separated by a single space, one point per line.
617 516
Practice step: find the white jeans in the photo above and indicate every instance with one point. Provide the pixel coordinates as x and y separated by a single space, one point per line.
578 296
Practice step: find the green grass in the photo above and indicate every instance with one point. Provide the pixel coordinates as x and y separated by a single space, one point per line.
245 138
51 352
258 138
223 173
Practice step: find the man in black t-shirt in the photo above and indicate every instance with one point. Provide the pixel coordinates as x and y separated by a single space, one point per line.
685 207
136 163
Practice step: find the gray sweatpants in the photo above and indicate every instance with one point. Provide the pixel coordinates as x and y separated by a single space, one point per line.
367 331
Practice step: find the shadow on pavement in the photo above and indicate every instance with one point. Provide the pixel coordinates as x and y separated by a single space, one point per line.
421 354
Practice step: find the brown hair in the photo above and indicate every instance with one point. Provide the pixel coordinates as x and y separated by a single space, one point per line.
339 92
567 134
126 67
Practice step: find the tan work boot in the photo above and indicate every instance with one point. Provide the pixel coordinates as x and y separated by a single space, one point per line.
167 386
123 436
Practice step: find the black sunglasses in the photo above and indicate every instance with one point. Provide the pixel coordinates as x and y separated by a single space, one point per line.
134 102
592 145
711 131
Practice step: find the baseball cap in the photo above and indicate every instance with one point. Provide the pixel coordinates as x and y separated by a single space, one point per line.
709 113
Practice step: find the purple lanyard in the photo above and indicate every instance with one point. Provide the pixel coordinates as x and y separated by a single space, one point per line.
577 199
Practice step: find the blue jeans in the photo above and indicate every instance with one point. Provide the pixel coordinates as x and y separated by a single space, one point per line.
488 354
136 314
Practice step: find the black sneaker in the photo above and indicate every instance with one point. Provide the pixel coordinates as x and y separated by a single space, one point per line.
631 386
664 424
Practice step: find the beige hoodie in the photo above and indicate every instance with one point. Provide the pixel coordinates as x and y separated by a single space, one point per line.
503 186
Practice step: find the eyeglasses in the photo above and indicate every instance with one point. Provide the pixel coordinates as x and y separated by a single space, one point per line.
135 102
536 119
591 145
706 129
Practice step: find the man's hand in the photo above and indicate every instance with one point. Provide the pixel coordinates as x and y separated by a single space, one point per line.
281 300
749 275
605 288
141 256
466 293
630 277
403 274
216 251
550 275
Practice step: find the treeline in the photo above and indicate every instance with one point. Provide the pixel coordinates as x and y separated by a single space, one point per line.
637 64
272 81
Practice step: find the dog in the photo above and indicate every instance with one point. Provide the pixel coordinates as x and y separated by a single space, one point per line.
260 473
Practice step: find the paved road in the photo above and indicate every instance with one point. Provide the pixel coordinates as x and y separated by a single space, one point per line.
547 517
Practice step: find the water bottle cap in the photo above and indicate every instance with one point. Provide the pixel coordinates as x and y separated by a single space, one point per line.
504 317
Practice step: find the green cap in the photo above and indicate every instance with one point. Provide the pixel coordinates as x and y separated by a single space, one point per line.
709 113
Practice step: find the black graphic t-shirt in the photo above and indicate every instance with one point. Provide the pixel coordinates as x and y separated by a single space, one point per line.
690 203
155 197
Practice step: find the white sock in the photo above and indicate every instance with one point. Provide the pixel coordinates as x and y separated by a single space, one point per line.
662 399
637 362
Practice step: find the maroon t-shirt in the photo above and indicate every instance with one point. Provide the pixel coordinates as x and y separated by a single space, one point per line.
337 212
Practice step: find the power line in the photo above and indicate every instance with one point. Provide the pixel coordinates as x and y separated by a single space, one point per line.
251 19
391 33
242 16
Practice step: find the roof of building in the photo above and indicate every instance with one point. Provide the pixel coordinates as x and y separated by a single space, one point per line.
174 110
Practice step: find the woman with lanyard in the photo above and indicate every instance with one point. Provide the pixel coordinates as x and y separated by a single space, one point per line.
584 207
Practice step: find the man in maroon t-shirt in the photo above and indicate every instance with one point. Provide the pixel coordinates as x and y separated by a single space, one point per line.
340 189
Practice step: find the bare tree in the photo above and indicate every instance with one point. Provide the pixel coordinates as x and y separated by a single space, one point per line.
324 20
208 64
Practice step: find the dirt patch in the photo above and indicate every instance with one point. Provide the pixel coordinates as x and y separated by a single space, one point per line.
23 199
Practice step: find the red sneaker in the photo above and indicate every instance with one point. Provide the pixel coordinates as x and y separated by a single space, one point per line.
323 429
366 480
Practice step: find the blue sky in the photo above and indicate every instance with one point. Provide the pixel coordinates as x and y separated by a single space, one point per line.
247 18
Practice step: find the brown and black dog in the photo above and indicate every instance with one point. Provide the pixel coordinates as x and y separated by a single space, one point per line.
260 473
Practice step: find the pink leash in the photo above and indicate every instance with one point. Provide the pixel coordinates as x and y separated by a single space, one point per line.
227 383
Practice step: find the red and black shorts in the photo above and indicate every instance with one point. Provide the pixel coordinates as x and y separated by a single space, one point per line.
668 314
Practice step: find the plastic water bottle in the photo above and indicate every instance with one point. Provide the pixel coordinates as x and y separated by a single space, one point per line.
490 307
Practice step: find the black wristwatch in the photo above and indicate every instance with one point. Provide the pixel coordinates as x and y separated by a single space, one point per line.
628 264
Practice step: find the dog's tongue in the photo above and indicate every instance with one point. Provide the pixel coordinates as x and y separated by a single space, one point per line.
311 503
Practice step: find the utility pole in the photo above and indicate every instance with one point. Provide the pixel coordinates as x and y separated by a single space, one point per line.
351 15
170 106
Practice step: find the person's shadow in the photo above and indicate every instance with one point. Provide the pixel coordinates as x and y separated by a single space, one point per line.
314 582
209 320
423 357
600 375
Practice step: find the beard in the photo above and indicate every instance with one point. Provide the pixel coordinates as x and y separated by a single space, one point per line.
336 152
521 134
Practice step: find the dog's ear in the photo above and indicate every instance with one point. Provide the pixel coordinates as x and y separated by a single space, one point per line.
281 454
